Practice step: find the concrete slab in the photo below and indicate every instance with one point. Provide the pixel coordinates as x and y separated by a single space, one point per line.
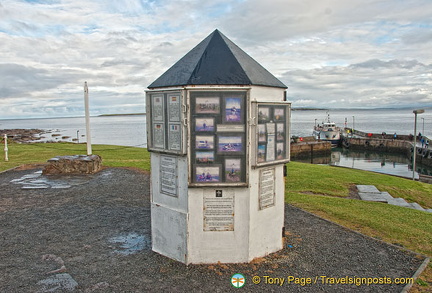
378 197
399 202
416 206
367 188
57 283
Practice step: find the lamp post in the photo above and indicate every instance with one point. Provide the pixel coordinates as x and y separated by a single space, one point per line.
423 133
419 111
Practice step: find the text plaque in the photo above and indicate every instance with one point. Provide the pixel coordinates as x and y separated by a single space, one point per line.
267 188
168 175
218 210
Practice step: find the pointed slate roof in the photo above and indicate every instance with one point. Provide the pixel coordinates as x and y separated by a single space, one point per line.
216 61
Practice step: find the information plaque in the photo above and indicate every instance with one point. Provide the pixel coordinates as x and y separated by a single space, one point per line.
266 194
218 210
165 125
168 175
272 133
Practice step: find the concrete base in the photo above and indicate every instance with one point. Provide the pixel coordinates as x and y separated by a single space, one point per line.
371 193
378 197
367 188
77 164
399 202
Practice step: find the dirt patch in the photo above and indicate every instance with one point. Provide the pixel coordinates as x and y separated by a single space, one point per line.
353 192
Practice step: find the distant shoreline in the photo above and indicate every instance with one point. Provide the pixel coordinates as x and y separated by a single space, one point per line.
129 114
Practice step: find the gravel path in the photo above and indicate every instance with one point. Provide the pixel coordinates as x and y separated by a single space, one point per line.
81 227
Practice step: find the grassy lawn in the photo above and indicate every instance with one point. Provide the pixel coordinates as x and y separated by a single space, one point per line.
112 156
322 190
318 189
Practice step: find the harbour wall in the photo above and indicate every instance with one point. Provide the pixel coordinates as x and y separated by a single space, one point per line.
402 144
309 147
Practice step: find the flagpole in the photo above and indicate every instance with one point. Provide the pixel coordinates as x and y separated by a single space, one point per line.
87 118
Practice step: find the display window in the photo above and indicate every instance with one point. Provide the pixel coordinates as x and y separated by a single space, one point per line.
218 137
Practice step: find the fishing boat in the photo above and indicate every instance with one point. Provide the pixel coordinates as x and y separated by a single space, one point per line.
327 131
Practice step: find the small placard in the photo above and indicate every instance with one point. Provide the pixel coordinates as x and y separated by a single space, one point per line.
168 175
267 188
218 210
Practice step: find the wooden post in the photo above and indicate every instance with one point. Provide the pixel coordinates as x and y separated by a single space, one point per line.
87 117
6 148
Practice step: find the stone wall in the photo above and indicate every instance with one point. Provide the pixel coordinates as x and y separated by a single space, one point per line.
310 148
77 164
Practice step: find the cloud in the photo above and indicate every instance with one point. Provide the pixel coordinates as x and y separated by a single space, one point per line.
370 84
360 53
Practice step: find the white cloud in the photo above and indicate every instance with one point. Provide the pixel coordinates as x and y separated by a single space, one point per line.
360 53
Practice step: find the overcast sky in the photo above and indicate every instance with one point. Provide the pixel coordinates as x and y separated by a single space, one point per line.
330 53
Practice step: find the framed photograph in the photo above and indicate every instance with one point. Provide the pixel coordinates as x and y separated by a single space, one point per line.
279 114
233 110
207 105
280 131
204 157
207 173
262 135
230 144
263 114
280 152
204 124
261 157
204 142
233 171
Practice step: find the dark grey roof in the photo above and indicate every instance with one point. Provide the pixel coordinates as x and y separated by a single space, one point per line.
216 61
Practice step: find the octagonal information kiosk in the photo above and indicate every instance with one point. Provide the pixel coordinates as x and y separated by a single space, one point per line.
218 131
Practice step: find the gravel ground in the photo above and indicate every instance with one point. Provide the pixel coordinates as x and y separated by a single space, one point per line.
77 230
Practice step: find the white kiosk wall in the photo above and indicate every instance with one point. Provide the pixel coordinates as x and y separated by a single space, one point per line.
212 198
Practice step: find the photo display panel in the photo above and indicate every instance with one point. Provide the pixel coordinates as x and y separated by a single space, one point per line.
272 133
218 137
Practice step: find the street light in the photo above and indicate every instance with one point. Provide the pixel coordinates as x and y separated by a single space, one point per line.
419 111
423 133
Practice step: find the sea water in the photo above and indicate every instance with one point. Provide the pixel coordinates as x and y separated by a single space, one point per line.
130 130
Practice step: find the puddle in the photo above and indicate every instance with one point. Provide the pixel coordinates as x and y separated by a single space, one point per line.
38 181
130 243
57 283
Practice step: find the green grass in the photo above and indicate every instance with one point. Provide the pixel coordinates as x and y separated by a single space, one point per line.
336 181
112 156
321 190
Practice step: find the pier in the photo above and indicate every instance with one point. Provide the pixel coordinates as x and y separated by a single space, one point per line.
389 143
364 141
